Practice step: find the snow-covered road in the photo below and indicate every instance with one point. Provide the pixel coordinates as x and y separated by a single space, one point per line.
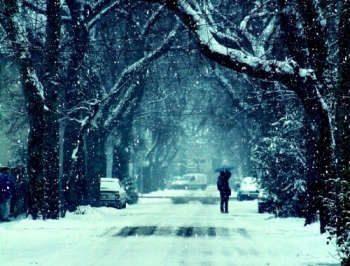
158 232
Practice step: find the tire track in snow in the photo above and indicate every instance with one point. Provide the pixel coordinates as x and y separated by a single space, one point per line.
181 231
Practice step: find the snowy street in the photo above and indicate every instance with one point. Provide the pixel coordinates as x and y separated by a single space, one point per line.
158 232
160 109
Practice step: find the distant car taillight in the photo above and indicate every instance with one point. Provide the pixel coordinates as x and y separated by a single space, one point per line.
117 196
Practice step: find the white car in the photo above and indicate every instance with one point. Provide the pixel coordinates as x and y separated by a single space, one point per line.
112 193
248 189
171 180
191 181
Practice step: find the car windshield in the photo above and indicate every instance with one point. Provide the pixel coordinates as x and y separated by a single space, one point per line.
108 183
248 181
184 178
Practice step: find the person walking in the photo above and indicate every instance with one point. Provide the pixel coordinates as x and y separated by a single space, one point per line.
225 191
7 192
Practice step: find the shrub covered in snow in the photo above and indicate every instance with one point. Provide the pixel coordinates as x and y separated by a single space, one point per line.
280 161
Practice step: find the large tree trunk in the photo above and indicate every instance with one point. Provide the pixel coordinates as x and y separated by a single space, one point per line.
35 142
96 162
318 128
43 138
342 93
319 167
51 119
12 22
340 217
74 189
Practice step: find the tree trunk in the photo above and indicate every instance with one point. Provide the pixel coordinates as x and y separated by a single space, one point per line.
73 179
340 217
319 168
342 93
51 121
12 22
75 192
35 143
96 163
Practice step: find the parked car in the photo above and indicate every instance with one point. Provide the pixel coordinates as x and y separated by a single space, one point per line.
191 181
171 180
112 193
248 189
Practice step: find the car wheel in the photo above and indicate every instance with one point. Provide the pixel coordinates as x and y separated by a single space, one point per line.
239 197
123 206
204 187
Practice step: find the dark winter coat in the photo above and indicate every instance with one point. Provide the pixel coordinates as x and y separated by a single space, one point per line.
222 183
7 186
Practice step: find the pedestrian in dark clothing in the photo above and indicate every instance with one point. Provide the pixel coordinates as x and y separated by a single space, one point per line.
7 192
224 188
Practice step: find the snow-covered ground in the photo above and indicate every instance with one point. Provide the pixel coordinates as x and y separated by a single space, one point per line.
158 232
